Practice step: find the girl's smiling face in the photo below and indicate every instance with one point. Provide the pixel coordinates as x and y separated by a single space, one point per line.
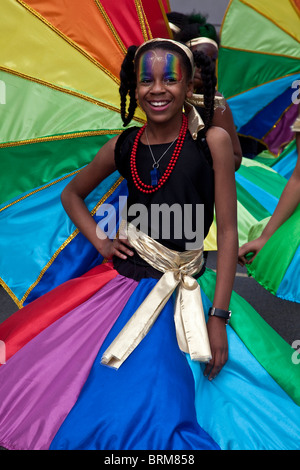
162 84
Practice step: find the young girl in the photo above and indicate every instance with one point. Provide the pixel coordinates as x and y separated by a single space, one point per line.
133 366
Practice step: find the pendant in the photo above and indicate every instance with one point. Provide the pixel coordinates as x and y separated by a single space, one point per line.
154 176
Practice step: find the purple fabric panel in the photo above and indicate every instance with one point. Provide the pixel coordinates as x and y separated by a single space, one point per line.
53 367
281 134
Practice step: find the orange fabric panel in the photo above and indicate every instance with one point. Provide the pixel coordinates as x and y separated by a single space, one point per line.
296 4
83 23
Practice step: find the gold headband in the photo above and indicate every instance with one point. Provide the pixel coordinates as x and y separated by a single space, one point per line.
184 47
202 40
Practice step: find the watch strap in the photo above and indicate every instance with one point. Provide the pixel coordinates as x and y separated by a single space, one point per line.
219 312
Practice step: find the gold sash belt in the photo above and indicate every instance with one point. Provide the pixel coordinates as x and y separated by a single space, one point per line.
178 268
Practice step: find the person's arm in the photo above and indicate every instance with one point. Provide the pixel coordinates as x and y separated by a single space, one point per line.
224 118
288 202
227 242
78 189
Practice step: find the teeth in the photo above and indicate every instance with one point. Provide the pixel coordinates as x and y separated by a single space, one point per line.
159 103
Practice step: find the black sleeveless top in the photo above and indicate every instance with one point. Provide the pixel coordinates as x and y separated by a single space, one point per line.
171 215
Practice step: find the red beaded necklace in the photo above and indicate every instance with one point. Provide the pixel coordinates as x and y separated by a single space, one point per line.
147 188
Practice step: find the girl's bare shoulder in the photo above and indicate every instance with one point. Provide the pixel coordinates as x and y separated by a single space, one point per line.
217 135
220 145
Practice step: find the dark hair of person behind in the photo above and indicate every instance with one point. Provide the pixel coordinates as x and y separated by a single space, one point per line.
128 79
192 26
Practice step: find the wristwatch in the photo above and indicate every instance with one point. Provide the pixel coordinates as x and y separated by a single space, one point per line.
218 312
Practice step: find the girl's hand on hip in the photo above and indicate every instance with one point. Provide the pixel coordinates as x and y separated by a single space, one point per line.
116 247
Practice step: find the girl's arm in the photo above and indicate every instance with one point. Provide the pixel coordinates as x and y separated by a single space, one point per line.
288 202
78 189
221 149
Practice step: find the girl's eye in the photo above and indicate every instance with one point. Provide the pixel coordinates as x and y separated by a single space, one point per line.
146 80
170 80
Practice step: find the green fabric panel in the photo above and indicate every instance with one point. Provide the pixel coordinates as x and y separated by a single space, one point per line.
249 212
244 223
268 267
256 230
239 71
254 32
266 345
251 162
289 148
25 167
33 110
267 158
270 181
250 203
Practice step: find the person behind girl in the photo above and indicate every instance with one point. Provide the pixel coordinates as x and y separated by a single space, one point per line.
199 35
131 366
287 204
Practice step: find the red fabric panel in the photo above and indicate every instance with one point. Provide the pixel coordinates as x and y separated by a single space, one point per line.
27 322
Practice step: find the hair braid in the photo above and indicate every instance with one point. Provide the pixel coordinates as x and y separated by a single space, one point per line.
209 80
128 86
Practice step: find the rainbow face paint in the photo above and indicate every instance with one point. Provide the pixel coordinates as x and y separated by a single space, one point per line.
172 70
145 67
168 65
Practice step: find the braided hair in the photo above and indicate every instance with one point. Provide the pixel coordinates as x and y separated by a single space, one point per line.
128 86
128 80
207 67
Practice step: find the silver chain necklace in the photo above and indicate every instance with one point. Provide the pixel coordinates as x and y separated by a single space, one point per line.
155 173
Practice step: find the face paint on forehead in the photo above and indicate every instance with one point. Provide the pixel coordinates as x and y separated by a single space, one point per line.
146 65
172 67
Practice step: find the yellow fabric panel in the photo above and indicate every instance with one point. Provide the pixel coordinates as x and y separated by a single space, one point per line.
39 52
84 24
210 242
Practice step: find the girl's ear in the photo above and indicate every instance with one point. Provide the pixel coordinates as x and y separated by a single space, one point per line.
190 89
